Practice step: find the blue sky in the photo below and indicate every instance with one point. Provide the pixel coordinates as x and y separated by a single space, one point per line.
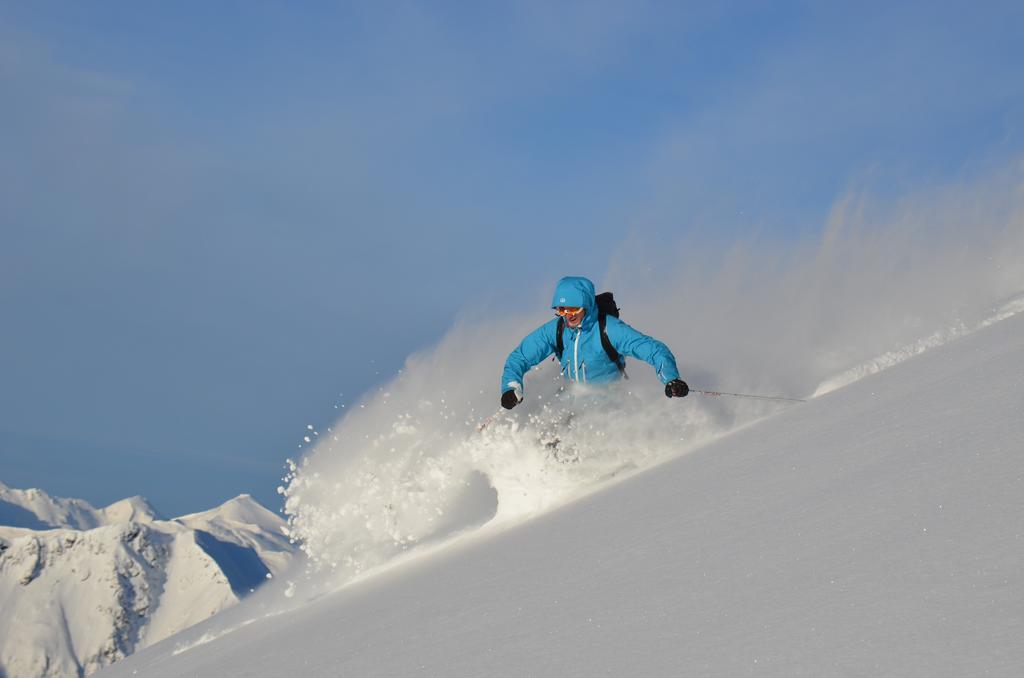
218 217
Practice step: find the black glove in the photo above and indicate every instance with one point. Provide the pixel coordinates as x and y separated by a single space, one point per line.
509 399
676 388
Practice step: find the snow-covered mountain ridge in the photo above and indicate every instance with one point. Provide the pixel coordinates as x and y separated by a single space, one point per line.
36 510
82 587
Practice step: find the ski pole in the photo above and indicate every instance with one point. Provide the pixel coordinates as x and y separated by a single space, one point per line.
745 395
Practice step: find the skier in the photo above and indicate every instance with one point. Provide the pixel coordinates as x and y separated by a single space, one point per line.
590 353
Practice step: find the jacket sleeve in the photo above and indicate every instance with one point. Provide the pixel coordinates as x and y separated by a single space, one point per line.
531 351
629 342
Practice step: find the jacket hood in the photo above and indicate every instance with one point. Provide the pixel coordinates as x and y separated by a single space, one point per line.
576 291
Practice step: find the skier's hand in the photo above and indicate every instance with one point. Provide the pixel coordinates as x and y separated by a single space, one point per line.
676 388
510 399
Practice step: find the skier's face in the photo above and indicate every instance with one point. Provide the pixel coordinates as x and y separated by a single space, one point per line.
573 315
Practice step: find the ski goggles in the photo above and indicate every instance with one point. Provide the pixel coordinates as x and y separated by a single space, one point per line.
570 312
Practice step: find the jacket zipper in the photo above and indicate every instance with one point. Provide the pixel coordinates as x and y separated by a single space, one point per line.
575 354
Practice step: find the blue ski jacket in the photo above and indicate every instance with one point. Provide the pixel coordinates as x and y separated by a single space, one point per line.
583 357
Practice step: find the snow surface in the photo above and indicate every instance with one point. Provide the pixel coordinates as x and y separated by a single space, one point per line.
82 587
875 530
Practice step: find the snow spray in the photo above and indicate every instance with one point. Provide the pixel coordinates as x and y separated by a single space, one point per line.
412 466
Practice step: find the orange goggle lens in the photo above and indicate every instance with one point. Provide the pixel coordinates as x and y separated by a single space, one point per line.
569 311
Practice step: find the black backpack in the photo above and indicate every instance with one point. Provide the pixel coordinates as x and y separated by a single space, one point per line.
605 307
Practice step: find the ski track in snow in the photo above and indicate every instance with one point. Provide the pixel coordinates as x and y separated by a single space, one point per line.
918 347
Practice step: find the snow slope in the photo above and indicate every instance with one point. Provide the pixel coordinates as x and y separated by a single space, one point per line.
81 587
875 530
